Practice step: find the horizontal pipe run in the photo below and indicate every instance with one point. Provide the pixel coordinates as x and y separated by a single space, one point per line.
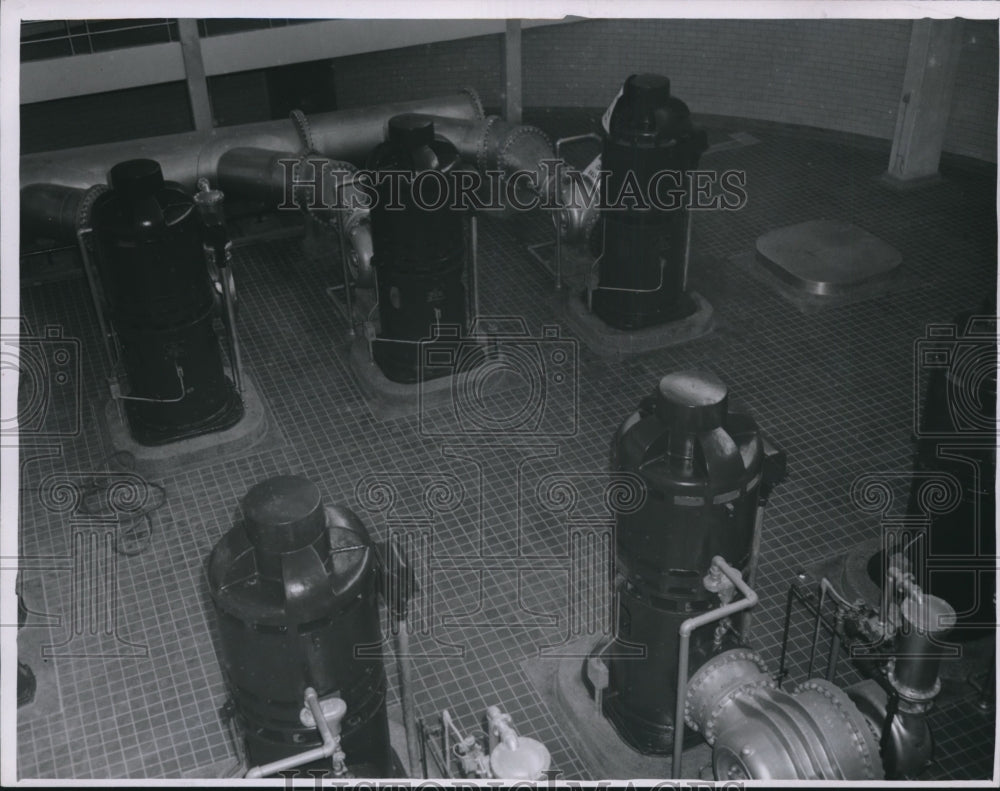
188 156
50 211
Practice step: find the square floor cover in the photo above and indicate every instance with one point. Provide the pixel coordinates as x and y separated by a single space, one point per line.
826 257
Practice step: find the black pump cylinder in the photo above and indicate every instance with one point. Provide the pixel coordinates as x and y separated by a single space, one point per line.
148 246
958 440
419 244
702 468
648 149
295 590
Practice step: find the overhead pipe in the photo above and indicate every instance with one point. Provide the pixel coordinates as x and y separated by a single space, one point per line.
50 211
489 142
245 163
188 156
54 183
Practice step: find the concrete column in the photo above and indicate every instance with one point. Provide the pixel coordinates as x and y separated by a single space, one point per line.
924 107
194 68
512 72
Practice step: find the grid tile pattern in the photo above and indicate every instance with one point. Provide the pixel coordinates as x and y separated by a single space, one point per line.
501 525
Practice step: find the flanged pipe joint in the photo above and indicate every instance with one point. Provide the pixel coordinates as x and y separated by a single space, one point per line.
526 161
761 732
320 186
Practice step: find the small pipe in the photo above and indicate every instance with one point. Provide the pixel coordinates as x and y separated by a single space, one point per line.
118 396
406 693
687 249
687 627
96 297
446 740
501 728
758 525
230 310
292 762
312 701
474 265
831 657
784 633
342 238
330 744
816 625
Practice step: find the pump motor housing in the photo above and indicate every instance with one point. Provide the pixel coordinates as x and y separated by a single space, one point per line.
702 467
642 245
148 242
419 250
295 589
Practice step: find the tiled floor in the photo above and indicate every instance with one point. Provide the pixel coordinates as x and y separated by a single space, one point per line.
138 695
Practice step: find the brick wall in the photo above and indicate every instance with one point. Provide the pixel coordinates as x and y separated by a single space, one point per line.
835 74
843 75
106 117
421 71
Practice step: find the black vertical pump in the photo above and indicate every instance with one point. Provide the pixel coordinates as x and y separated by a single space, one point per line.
295 589
419 244
648 150
705 469
148 243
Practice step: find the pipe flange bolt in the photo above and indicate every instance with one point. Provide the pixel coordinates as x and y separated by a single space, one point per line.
477 103
481 151
86 205
302 129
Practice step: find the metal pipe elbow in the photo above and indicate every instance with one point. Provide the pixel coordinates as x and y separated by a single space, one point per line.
513 149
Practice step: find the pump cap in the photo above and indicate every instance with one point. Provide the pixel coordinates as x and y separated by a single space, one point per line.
647 91
411 130
692 401
283 514
137 178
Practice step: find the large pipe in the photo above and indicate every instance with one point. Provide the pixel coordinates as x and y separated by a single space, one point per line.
493 144
50 211
188 156
310 182
53 183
